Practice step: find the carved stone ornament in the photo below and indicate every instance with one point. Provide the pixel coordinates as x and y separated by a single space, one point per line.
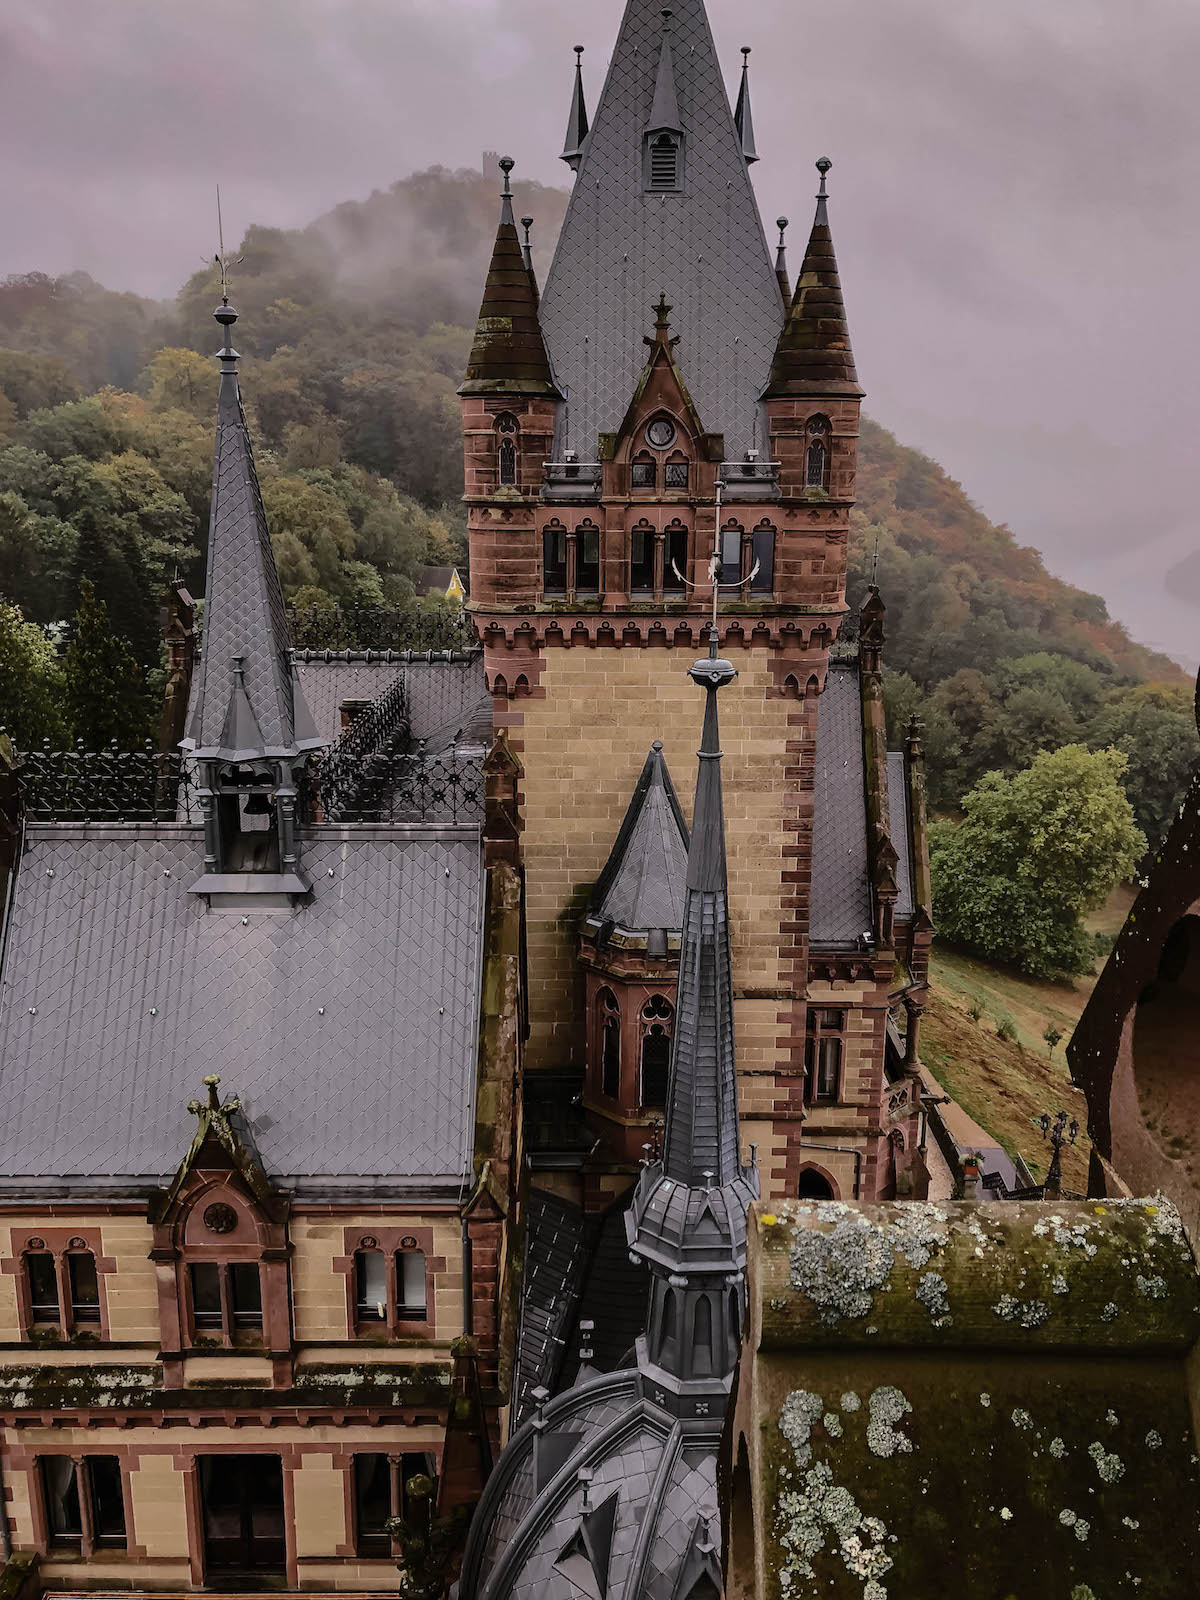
408 1242
35 1244
220 1218
77 1244
368 1242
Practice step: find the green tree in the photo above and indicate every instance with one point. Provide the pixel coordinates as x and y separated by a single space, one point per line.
106 698
31 683
34 382
37 558
1032 856
1053 1038
1154 727
181 380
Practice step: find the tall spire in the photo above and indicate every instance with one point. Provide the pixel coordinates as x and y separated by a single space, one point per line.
743 117
508 355
577 121
781 265
664 113
626 235
246 701
813 356
688 1216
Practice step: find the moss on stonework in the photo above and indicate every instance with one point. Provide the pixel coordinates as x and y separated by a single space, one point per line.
49 1388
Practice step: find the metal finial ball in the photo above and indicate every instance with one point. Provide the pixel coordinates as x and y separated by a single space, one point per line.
781 223
527 222
578 49
745 49
506 163
824 165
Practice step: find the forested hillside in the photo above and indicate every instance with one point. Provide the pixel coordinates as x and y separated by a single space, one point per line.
354 333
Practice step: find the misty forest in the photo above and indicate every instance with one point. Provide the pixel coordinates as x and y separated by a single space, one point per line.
355 332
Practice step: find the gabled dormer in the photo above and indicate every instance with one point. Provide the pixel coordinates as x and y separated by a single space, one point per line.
221 1248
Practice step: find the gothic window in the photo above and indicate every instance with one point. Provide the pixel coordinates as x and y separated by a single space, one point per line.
816 465
412 1303
665 152
670 1323
554 559
731 555
380 1491
812 1186
657 1016
506 429
702 1340
226 1301
370 1286
587 576
41 1280
387 1292
763 581
675 557
610 1044
84 1285
823 1049
644 473
641 558
677 475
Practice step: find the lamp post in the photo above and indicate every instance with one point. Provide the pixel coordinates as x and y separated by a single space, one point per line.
1057 1131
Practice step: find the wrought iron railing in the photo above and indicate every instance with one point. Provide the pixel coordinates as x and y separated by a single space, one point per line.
386 627
108 785
408 787
381 726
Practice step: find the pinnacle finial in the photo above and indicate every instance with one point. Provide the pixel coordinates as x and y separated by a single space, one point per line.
506 164
527 248
823 167
666 14
578 53
782 224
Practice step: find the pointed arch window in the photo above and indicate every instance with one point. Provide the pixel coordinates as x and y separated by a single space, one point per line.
554 559
610 1044
816 461
657 1018
664 162
676 557
587 574
507 430
670 1323
763 559
702 1340
643 472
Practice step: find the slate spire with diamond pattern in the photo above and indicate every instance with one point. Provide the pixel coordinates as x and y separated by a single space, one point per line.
577 121
702 243
245 693
743 116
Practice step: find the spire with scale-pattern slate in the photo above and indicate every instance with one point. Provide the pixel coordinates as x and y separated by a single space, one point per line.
688 1216
814 355
577 121
508 355
743 117
246 701
689 226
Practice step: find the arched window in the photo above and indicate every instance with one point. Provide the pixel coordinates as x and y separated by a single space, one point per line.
812 1186
763 581
665 150
85 1286
677 472
644 472
816 463
554 559
610 1044
42 1283
675 557
587 573
731 555
507 430
670 1322
703 1356
657 1015
641 557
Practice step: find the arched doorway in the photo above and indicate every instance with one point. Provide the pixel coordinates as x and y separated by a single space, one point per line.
813 1185
1166 1043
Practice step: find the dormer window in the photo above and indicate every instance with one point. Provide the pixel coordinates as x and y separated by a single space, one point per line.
664 158
506 468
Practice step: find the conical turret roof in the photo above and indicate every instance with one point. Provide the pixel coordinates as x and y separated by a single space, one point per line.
245 700
642 887
814 355
508 355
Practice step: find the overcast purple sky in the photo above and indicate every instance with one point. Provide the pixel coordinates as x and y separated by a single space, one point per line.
1015 201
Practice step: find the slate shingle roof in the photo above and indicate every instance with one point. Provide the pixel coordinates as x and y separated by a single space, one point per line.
438 693
900 830
840 904
620 247
348 1027
642 886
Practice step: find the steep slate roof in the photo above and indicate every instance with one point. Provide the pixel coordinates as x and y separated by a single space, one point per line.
254 710
121 990
438 691
555 1262
508 355
814 355
642 885
840 897
620 246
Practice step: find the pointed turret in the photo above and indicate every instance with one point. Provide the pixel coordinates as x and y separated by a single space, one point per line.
688 1217
640 892
814 356
781 264
246 702
577 121
508 355
641 217
743 117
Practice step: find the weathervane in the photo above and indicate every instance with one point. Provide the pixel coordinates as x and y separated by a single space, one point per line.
222 260
714 569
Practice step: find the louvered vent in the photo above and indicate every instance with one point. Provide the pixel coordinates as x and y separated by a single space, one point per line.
664 163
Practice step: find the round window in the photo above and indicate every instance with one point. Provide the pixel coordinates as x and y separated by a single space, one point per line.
661 433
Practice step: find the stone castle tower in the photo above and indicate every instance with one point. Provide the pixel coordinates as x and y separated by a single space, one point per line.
668 415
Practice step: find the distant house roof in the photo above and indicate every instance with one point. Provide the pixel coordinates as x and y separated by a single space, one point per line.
441 580
348 1026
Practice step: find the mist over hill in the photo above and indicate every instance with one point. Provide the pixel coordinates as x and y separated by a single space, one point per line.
355 332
